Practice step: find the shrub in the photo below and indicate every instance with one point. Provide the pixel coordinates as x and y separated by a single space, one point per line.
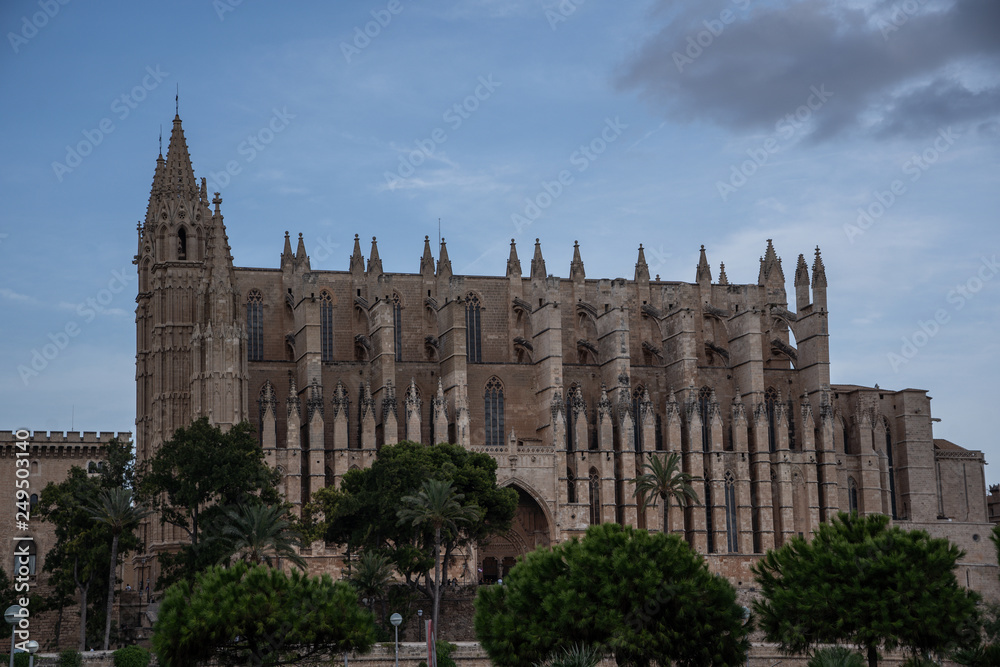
444 650
70 658
577 655
836 656
919 661
132 656
20 659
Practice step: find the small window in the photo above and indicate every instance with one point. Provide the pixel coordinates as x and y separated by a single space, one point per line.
397 324
494 412
255 326
326 325
473 334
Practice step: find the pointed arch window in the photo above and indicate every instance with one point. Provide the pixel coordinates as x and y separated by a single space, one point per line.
852 495
892 471
571 418
182 240
326 325
570 486
255 326
709 527
770 403
397 326
704 408
637 417
595 497
473 333
494 412
732 532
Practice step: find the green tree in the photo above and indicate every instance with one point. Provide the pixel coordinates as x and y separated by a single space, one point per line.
644 597
836 656
191 481
862 582
260 534
117 511
438 506
8 595
82 548
371 577
258 615
577 655
362 514
665 480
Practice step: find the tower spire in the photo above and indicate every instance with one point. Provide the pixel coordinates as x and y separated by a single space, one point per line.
427 259
723 278
576 266
538 262
300 250
819 271
513 263
770 267
374 262
444 264
704 274
178 175
801 284
641 268
357 259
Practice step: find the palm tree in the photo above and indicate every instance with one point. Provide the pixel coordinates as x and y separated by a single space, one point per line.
116 509
371 577
665 480
836 656
438 505
261 534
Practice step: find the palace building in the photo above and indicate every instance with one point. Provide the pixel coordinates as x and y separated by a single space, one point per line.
570 383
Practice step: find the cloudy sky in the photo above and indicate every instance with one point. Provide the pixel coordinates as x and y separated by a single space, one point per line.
869 128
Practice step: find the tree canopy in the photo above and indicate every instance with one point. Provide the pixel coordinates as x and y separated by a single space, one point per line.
641 596
362 514
665 480
193 478
254 614
862 582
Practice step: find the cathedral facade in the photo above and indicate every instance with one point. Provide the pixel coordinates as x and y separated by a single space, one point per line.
570 384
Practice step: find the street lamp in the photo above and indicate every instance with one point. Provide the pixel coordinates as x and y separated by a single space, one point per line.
420 622
11 615
32 647
396 619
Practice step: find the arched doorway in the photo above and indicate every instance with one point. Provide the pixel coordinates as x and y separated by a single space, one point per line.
528 531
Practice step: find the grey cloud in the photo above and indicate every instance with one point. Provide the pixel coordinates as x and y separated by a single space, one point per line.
899 68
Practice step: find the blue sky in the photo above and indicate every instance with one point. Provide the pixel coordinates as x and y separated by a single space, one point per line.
673 124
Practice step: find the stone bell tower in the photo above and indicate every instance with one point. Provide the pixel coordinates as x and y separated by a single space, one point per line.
191 357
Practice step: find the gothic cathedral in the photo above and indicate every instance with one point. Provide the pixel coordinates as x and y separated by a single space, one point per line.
571 384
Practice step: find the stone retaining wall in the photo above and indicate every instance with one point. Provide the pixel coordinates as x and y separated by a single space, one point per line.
467 654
